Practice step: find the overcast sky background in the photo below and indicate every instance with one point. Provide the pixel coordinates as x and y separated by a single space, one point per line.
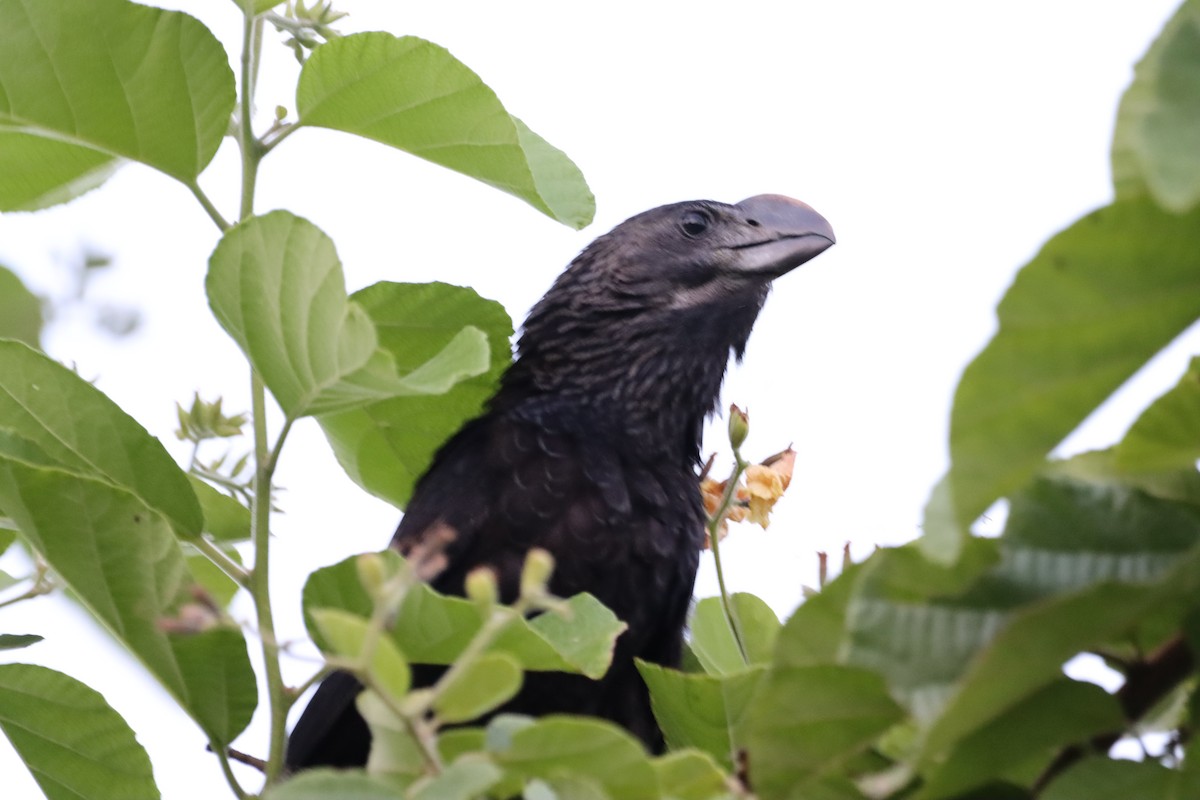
944 141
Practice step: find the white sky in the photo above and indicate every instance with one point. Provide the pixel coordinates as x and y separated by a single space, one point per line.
945 141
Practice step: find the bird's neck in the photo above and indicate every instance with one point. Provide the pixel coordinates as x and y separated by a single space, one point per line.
648 381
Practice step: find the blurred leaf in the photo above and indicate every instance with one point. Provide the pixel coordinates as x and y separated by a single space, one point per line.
72 742
78 426
16 641
1099 300
433 629
259 6
975 650
457 741
576 746
110 76
564 787
1166 436
20 309
1100 467
712 640
690 775
225 519
1080 565
347 634
1158 122
701 711
805 721
413 95
121 560
323 784
942 536
814 633
39 172
220 587
464 780
379 445
483 684
1060 714
276 286
395 754
1105 779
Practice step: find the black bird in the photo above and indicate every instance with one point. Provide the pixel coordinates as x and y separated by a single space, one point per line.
589 448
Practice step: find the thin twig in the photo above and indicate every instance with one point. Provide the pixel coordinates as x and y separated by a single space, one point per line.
1146 684
714 525
207 204
215 554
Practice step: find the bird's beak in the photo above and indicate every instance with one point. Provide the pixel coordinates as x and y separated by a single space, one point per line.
786 233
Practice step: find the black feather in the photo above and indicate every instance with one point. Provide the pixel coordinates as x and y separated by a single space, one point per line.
589 448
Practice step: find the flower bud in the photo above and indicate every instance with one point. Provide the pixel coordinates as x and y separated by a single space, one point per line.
370 573
482 587
739 426
535 576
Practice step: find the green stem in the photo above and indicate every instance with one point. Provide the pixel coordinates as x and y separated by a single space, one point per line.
714 524
38 589
265 458
277 696
230 778
227 565
208 205
251 153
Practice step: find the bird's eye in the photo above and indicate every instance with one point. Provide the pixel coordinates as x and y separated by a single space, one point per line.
694 223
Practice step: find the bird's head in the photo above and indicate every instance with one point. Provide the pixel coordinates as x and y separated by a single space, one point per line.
698 253
649 313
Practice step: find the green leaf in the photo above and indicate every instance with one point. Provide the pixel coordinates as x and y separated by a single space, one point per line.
484 684
395 754
225 519
20 309
16 641
1098 301
437 628
713 642
433 629
347 633
378 445
39 172
942 537
564 787
1093 564
115 77
1167 434
122 561
815 632
78 426
806 721
1099 467
413 95
323 784
690 775
1032 732
220 587
275 284
576 746
1158 122
73 743
466 779
258 6
701 711
1105 779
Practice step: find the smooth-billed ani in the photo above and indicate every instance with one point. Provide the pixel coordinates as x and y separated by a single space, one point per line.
589 447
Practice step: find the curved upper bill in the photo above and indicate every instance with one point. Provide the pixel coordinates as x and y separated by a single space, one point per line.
788 234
